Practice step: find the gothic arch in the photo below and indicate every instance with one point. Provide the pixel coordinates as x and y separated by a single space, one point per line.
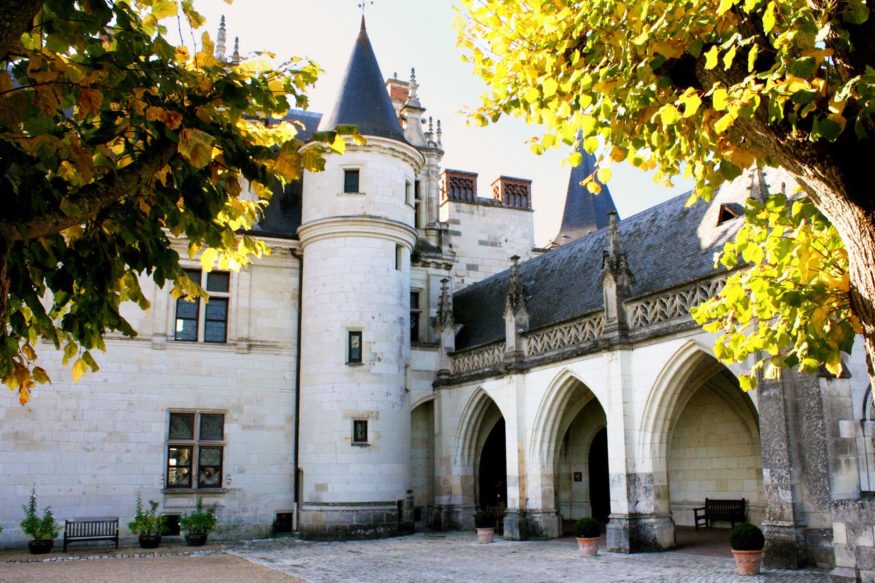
552 418
668 396
691 368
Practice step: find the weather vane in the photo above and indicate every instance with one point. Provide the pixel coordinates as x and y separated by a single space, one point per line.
362 4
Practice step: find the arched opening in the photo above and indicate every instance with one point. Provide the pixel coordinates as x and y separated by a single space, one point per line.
492 473
572 430
705 443
599 479
481 461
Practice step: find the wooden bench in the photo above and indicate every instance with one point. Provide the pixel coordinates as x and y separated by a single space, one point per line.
94 528
730 510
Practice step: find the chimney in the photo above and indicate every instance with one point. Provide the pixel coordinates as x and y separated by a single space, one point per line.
513 192
399 92
459 186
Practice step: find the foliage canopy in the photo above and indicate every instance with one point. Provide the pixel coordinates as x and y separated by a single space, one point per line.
114 142
708 88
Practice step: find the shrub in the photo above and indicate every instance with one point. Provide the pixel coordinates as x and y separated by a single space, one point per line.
147 522
44 528
747 537
587 528
200 520
484 519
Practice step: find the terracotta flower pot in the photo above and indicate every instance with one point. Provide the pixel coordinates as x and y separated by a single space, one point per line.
485 535
748 562
40 547
150 541
588 547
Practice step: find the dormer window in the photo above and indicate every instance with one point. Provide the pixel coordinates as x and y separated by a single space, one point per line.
727 213
351 181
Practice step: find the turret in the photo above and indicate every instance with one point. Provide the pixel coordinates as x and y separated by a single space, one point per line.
358 233
584 211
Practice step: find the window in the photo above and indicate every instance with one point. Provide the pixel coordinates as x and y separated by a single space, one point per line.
408 193
195 443
351 181
354 347
359 431
210 323
417 206
415 311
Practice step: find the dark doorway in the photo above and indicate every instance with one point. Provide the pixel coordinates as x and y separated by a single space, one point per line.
599 479
493 471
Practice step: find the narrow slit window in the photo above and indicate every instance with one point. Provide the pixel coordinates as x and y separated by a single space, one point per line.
354 347
351 181
399 257
415 312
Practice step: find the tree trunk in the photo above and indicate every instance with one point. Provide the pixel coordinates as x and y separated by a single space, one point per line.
856 226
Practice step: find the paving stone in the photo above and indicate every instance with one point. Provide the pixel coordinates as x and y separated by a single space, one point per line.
452 557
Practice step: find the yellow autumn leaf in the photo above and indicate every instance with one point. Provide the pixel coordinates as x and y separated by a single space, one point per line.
720 99
80 367
691 102
669 114
196 146
711 58
604 175
288 164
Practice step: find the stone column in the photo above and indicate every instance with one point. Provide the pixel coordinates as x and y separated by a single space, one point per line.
796 476
636 523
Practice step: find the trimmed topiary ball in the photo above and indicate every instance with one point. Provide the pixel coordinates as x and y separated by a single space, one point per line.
484 519
747 537
587 528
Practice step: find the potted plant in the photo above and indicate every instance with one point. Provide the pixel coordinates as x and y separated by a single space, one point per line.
484 522
747 543
42 530
587 532
198 524
148 524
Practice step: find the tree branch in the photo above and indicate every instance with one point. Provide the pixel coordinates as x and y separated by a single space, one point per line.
91 199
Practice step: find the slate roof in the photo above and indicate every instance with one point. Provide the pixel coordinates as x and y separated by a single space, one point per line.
282 217
363 100
666 246
584 212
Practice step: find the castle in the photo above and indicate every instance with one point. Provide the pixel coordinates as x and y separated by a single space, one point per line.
405 355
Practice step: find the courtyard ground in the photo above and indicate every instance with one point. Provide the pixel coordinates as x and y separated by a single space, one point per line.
421 558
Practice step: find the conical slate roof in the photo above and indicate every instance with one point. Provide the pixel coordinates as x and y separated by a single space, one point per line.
585 212
363 100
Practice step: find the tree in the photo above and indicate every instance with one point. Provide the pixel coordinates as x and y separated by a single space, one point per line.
113 143
708 88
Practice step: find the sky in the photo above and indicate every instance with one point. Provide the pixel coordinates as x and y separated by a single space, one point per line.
419 33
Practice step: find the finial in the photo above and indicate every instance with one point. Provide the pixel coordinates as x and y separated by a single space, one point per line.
440 133
413 84
430 131
362 4
220 40
445 304
614 241
515 297
235 56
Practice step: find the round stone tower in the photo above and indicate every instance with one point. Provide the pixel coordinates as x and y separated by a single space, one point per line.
357 234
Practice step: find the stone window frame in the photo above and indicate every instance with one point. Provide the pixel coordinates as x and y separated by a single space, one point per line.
202 307
418 207
196 443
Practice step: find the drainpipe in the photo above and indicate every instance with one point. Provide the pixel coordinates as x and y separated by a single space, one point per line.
299 255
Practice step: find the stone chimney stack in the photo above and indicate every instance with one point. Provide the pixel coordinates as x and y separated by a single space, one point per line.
459 186
513 192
